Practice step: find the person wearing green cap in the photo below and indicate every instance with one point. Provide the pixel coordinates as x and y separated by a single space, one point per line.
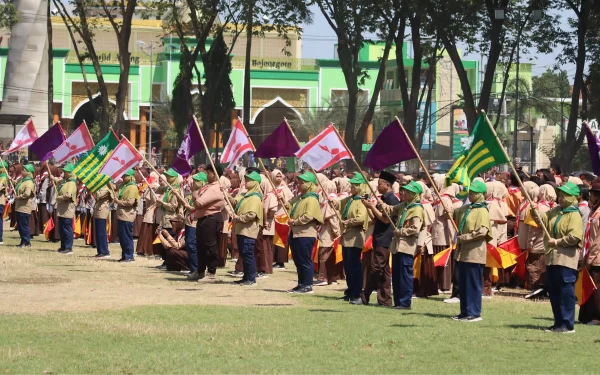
562 255
355 220
170 204
4 183
305 217
104 196
247 219
66 197
410 223
25 192
199 180
126 201
474 232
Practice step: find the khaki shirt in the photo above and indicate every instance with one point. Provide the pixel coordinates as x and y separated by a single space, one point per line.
406 239
3 188
566 252
171 209
149 206
209 200
126 209
104 197
442 230
24 197
66 198
472 246
247 225
270 207
330 227
594 246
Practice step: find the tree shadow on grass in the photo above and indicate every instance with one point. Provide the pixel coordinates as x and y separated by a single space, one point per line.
399 325
431 315
525 326
274 290
325 311
331 298
543 318
273 304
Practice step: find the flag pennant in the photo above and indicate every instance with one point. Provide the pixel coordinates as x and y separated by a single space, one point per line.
512 246
368 246
392 146
48 227
417 266
441 259
26 136
584 287
48 142
338 250
123 158
237 145
594 148
280 143
482 152
499 258
520 269
324 150
79 141
88 166
190 146
315 255
282 231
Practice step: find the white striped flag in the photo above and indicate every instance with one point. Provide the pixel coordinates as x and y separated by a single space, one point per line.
26 136
78 142
324 150
122 159
237 145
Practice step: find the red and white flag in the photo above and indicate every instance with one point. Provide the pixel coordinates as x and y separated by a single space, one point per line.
27 135
123 158
324 150
78 142
237 145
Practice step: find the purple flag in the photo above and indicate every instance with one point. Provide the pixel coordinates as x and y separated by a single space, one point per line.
280 143
190 146
48 142
594 147
391 147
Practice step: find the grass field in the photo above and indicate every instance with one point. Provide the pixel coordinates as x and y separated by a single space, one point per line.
72 314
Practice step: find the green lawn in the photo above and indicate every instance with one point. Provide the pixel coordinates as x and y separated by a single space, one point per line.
322 335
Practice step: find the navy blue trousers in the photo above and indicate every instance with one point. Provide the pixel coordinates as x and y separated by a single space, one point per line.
125 230
353 270
101 236
561 290
190 246
246 249
402 278
1 222
470 284
302 255
65 228
23 227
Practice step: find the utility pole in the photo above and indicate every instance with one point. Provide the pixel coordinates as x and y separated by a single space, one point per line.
151 54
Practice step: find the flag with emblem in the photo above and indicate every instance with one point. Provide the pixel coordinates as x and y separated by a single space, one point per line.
122 159
482 152
26 136
237 145
79 141
88 166
324 150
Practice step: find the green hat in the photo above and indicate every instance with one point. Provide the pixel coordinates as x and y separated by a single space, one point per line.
414 187
172 173
357 179
29 168
478 187
253 176
570 189
308 177
200 177
130 172
68 168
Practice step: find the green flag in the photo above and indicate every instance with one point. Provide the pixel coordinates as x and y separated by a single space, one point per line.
87 167
484 152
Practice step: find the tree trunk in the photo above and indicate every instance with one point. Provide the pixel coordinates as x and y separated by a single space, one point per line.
247 93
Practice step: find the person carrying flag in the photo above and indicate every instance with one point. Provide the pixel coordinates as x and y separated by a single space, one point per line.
104 196
24 194
589 312
127 201
3 193
474 232
66 197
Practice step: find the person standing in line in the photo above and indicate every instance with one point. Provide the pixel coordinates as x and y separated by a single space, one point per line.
199 181
170 204
66 199
330 230
379 278
104 196
24 194
280 254
127 201
562 255
305 217
144 246
3 193
474 232
589 312
264 242
209 202
247 219
405 241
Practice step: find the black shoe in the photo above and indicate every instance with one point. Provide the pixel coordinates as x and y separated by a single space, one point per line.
235 274
247 283
261 275
458 317
549 329
356 301
534 293
344 298
305 290
295 289
278 266
131 260
59 250
66 251
194 276
563 330
471 319
23 246
402 307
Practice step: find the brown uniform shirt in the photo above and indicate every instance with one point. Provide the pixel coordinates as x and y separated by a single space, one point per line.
103 198
209 200
126 210
66 198
24 197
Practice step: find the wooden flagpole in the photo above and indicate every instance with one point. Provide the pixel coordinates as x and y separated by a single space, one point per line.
7 175
315 173
213 166
437 192
88 130
514 171
262 165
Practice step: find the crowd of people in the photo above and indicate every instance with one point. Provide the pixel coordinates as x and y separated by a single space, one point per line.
379 233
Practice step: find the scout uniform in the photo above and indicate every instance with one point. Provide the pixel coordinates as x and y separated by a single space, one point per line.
24 204
65 207
199 181
566 229
127 201
3 193
170 205
104 197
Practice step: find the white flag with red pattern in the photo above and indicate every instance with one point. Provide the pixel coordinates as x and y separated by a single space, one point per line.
123 158
324 150
79 141
26 136
237 145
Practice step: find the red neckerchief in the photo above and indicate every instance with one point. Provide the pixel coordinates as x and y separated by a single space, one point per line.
547 204
514 190
521 209
587 232
584 204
